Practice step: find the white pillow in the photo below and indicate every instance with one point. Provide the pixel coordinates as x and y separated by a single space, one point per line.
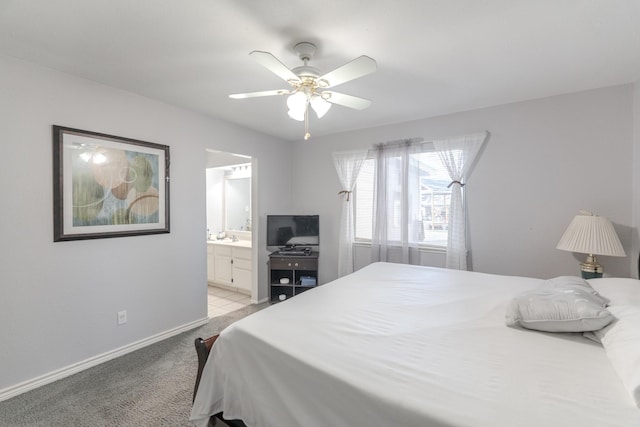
621 339
569 280
558 310
619 291
574 282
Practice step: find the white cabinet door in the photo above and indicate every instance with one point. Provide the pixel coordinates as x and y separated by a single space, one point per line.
210 264
222 265
242 279
242 269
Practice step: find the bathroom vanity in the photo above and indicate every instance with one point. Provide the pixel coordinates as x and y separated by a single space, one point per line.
229 264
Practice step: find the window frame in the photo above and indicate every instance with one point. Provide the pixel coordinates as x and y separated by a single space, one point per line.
425 147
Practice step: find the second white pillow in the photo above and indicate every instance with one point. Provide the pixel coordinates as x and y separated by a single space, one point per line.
558 310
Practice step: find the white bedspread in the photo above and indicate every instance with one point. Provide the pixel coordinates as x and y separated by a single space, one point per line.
398 345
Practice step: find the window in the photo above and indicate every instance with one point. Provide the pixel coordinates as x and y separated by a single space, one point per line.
432 195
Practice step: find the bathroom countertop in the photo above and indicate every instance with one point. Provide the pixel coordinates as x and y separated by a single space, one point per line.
229 242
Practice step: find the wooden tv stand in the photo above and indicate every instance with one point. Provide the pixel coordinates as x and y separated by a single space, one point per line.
301 272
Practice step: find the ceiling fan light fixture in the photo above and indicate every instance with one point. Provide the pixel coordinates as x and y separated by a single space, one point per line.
297 115
320 106
297 104
297 101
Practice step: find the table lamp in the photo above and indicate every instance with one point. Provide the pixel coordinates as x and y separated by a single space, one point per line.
592 235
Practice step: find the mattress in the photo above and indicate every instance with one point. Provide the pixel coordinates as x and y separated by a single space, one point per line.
404 345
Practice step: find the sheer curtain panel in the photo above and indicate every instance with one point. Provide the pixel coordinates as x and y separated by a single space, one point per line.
396 200
458 154
348 164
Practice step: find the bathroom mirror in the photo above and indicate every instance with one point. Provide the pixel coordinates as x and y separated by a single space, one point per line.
237 203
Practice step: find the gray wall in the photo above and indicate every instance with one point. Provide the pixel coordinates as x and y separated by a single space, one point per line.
58 301
636 176
545 160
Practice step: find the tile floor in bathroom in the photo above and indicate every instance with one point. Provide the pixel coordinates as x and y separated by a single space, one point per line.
222 301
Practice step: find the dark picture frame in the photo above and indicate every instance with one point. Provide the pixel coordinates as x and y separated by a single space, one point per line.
108 186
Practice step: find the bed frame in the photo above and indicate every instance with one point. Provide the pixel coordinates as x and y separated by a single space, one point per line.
203 348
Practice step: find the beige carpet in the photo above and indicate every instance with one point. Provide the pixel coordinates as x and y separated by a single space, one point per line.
152 386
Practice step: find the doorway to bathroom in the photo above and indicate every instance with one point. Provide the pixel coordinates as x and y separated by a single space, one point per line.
231 272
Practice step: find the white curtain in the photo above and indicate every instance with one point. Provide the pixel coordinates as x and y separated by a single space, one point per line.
396 200
348 164
458 155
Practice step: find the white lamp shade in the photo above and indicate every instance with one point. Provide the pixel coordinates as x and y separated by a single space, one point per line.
591 234
320 106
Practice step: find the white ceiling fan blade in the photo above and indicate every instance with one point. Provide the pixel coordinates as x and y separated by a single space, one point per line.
346 100
357 68
274 65
258 94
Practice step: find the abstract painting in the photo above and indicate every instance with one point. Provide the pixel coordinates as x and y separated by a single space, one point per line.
108 186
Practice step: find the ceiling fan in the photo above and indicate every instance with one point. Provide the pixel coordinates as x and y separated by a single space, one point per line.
309 87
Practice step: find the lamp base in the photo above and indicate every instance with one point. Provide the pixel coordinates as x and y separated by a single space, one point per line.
590 269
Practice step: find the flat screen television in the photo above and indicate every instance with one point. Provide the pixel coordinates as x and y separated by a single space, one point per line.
293 230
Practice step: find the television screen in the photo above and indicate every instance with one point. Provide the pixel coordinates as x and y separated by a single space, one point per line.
293 230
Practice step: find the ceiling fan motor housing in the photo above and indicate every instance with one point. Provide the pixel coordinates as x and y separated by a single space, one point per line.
305 50
306 71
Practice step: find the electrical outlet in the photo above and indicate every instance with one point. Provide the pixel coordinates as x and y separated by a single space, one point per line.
122 317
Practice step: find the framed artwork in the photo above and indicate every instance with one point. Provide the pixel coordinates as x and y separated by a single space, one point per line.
108 186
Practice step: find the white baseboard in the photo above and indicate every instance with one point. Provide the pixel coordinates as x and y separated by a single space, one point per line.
50 377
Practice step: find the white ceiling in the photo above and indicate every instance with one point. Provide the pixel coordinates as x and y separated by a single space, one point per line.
434 56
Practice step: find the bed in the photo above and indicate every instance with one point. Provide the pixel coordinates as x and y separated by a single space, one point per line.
400 345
